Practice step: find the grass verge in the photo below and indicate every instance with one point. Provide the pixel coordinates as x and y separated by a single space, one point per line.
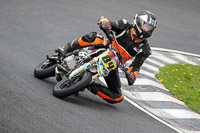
183 81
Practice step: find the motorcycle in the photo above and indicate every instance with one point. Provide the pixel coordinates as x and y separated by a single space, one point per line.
78 69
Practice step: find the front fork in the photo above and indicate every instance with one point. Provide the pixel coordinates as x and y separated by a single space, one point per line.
95 77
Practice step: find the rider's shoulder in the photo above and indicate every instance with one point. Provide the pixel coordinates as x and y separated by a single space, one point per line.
124 21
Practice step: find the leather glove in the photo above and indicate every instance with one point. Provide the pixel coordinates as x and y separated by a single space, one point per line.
130 77
104 24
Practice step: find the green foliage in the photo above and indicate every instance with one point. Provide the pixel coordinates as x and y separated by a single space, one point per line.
183 81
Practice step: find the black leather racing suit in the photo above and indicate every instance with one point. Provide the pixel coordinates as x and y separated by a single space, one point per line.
136 46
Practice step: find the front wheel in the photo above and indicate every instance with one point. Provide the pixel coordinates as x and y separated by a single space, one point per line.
68 87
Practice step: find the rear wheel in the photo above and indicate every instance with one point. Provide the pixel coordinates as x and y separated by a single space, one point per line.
45 69
68 87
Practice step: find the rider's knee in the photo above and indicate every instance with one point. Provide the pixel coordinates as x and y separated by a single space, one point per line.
113 101
90 37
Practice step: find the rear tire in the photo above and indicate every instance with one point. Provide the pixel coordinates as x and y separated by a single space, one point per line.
45 69
68 87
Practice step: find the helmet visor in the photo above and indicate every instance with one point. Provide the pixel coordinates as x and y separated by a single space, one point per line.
147 27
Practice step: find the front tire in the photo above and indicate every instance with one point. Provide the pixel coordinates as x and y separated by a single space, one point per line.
45 69
68 87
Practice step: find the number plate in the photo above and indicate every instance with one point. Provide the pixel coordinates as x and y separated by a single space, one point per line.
107 61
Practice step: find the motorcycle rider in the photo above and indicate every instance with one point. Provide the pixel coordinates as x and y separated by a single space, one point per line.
130 37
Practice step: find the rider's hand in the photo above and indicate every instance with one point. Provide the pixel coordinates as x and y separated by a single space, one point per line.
130 77
104 24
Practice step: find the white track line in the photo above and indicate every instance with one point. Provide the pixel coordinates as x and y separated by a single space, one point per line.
147 73
155 69
143 81
156 96
178 114
152 115
174 51
163 58
155 62
184 58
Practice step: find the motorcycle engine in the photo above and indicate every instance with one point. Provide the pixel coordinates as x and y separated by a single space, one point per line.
70 62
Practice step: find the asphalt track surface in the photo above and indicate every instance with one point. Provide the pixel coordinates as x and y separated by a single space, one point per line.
30 29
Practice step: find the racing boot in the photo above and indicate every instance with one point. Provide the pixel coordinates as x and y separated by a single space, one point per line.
64 50
69 47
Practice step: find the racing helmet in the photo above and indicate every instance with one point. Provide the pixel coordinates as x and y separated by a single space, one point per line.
145 23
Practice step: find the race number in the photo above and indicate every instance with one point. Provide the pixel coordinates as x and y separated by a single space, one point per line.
108 62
